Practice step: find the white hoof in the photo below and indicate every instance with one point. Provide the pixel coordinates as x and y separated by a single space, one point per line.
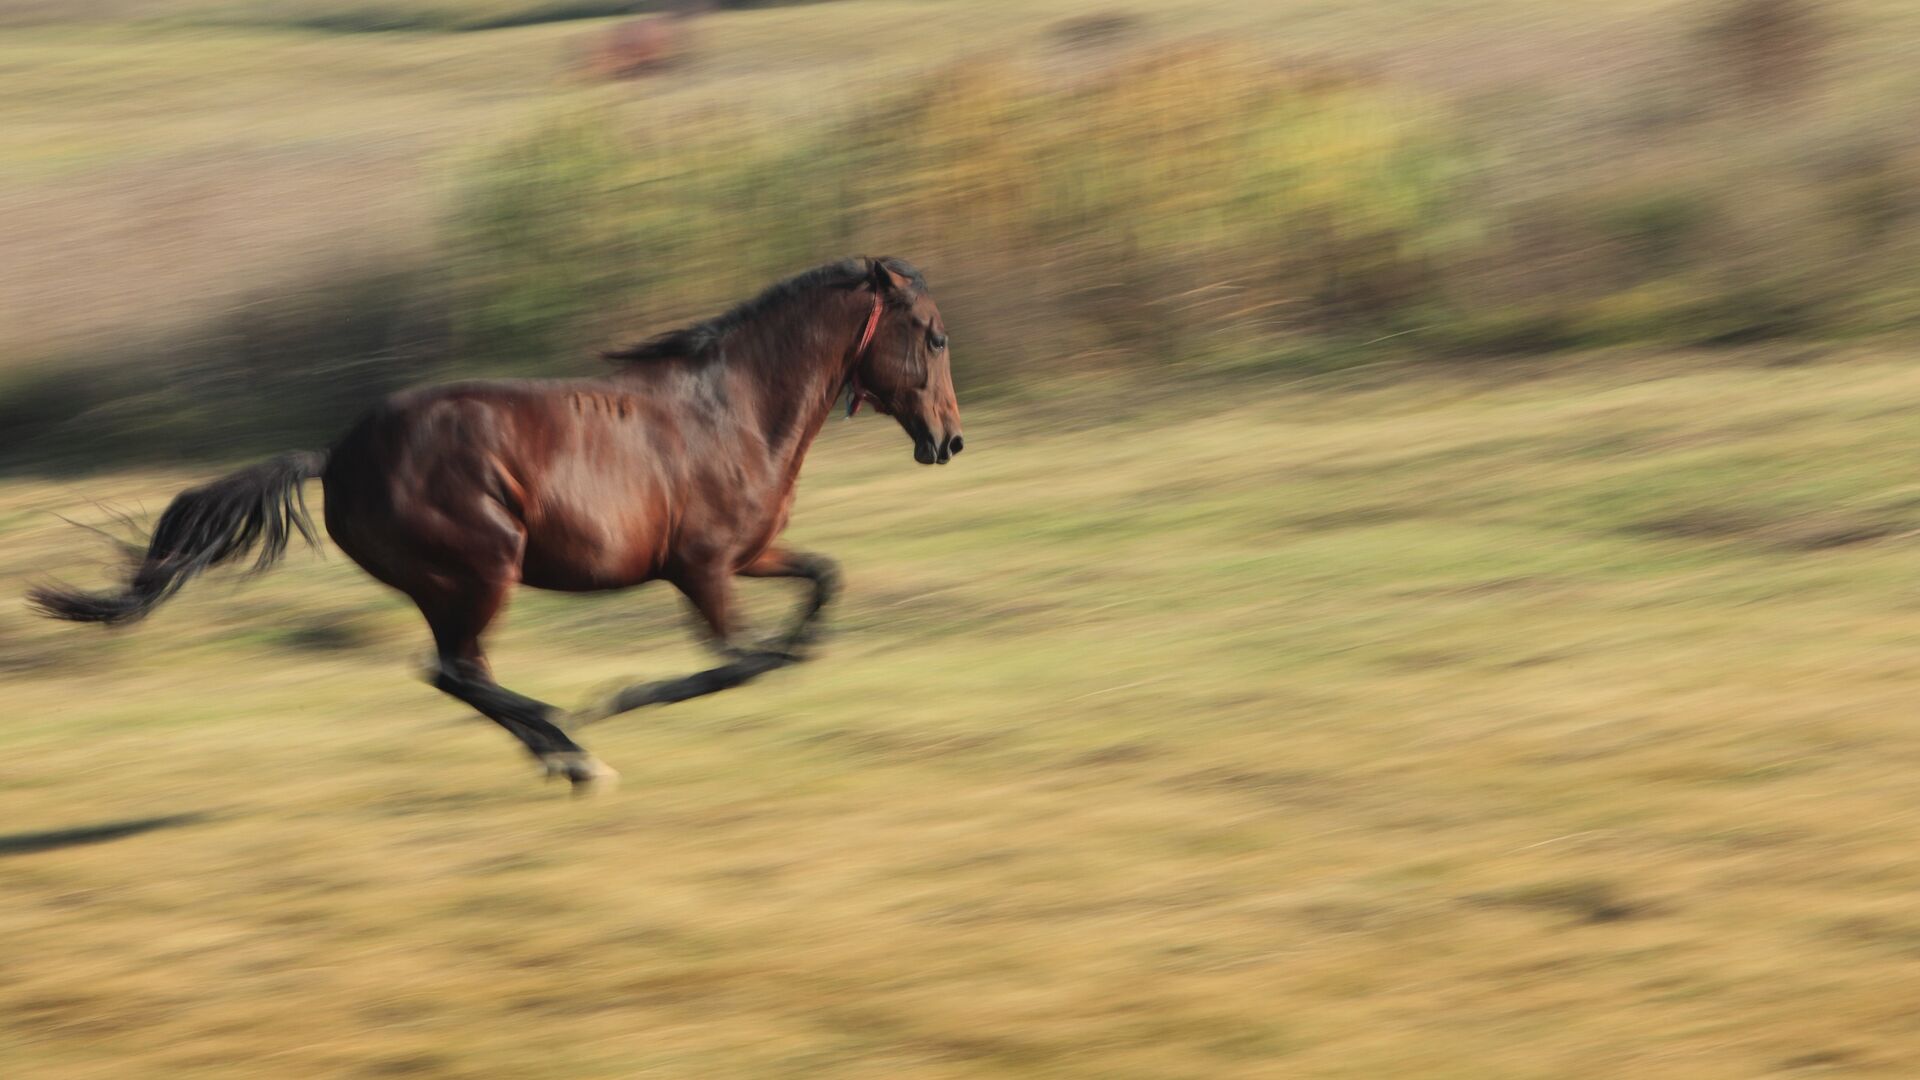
584 771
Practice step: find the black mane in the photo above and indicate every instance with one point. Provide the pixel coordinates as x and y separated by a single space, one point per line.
702 340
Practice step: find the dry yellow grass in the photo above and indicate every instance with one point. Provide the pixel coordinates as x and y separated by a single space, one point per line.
1526 722
1436 726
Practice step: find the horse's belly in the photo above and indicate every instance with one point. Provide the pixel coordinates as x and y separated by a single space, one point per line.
570 569
584 551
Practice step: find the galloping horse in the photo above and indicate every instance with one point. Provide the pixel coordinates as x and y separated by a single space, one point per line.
679 465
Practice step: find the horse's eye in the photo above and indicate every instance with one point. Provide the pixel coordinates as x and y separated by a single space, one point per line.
937 339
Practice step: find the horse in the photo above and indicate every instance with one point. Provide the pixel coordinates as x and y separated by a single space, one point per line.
678 465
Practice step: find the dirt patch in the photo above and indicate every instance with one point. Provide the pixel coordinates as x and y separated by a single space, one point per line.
1125 753
1810 532
1280 787
1095 30
1585 900
904 745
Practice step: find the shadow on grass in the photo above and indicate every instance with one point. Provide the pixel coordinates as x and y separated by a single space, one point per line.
287 371
27 843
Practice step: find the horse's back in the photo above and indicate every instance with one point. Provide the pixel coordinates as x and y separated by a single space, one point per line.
563 479
414 441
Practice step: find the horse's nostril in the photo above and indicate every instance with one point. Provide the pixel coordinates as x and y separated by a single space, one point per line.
955 444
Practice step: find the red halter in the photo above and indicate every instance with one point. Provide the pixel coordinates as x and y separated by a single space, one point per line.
856 392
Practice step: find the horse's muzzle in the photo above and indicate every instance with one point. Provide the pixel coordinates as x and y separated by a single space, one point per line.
927 451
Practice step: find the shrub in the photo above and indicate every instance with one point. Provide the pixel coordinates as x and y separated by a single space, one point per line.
1201 187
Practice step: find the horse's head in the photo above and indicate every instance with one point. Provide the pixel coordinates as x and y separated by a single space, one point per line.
902 363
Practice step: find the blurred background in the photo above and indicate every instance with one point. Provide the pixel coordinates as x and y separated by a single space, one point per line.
1431 591
240 221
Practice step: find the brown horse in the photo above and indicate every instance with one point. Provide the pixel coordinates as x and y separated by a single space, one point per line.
680 465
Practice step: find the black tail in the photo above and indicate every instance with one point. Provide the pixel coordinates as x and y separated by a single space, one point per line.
204 527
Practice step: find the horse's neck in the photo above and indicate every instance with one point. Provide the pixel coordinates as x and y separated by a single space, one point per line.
779 378
797 372
794 406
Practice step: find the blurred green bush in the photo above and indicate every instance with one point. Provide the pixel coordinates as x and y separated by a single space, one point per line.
1206 205
1140 209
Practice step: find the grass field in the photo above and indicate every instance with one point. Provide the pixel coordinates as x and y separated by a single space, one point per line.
1553 724
1281 697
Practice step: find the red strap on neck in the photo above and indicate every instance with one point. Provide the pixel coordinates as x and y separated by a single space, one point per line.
855 392
873 323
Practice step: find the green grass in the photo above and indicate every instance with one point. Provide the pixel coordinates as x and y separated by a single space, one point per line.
1441 726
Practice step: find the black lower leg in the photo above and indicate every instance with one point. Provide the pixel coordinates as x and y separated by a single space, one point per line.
708 589
745 668
529 720
824 573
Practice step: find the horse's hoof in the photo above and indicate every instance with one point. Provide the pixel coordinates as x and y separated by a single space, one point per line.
595 777
584 771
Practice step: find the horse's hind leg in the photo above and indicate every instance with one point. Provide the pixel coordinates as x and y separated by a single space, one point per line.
458 617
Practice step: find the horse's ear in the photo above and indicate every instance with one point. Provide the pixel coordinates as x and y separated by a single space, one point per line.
884 281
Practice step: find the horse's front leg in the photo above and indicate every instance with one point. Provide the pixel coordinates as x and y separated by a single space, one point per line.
824 573
711 592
